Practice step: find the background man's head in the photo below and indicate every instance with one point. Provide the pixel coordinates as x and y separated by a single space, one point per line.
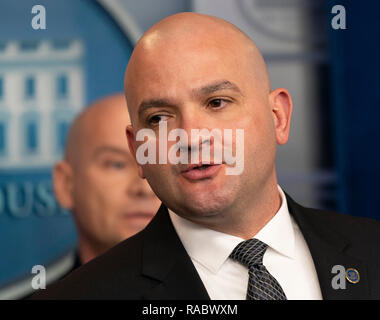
98 180
196 71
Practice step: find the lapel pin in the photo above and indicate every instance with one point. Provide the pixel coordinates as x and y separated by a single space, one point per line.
352 275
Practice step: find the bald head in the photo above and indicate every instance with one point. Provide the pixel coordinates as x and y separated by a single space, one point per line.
192 35
189 26
105 120
98 179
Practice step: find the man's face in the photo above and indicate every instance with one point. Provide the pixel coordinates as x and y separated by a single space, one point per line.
204 87
110 201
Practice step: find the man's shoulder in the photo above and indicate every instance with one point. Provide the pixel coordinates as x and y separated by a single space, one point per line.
345 223
105 276
361 235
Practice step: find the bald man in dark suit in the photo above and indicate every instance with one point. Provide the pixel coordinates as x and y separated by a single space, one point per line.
219 235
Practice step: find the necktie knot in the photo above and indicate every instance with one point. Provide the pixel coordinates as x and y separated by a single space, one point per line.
261 284
249 252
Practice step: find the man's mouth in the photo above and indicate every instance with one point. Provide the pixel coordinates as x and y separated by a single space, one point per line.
202 167
200 171
196 167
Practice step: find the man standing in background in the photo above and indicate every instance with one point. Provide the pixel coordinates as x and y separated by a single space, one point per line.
98 182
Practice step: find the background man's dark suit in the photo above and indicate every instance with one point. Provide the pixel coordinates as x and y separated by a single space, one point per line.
154 264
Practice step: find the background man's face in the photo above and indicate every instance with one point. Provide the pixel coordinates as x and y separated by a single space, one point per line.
110 201
177 78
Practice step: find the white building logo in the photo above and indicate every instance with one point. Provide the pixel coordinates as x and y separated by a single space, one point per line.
41 91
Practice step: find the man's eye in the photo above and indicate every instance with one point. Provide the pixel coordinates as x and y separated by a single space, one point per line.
156 119
217 103
115 164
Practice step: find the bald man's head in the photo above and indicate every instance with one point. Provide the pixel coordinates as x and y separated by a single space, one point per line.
192 71
98 179
197 34
104 118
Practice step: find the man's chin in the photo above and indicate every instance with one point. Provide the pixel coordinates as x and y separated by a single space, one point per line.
125 234
205 206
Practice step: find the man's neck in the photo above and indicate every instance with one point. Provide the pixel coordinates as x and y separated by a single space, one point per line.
87 252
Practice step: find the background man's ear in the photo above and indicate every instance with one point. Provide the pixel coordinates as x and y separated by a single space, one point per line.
132 148
63 183
281 105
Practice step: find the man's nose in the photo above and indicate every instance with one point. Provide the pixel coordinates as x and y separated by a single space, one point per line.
139 188
191 121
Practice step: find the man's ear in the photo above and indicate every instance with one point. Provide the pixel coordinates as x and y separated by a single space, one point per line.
63 183
132 148
281 105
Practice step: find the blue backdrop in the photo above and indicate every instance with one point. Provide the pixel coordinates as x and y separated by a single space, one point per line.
33 229
355 69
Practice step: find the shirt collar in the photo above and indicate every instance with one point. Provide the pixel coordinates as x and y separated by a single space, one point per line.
212 248
278 233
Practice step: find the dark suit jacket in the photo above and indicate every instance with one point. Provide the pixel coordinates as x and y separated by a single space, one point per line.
154 264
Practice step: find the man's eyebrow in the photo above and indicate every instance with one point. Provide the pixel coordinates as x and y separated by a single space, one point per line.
207 89
153 103
109 149
216 86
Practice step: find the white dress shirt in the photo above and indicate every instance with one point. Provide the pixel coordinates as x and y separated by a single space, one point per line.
287 257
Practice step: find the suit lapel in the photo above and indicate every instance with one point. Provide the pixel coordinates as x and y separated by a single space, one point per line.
166 262
327 250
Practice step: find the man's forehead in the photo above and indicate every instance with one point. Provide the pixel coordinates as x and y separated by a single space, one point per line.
92 127
190 70
149 53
